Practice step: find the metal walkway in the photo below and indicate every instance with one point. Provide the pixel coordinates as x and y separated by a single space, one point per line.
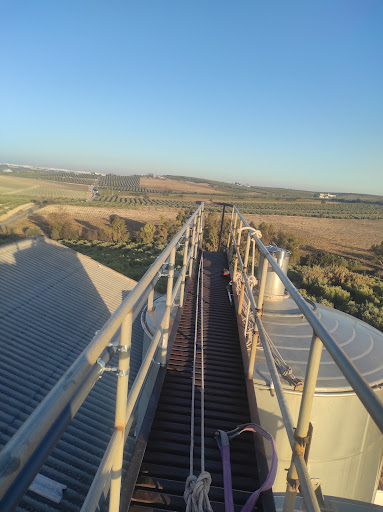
165 467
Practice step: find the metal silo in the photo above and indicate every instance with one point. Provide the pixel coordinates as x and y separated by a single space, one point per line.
274 288
346 447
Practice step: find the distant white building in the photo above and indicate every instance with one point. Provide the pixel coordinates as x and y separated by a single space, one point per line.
155 176
326 195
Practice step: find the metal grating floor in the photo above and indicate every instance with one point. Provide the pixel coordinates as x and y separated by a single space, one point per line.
165 467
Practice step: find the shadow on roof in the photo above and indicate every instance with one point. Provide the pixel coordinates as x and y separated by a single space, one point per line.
52 302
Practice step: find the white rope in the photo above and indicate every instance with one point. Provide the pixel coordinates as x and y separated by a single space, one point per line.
202 382
197 489
285 370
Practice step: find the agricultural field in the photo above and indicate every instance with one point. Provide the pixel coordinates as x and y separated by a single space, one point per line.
61 177
10 205
154 185
65 177
237 190
349 238
120 201
34 188
329 210
303 208
82 178
112 182
93 218
172 185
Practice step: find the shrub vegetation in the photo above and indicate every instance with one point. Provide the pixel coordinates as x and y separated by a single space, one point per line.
339 283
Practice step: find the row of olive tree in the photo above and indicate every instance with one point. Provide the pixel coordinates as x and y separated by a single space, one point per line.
63 226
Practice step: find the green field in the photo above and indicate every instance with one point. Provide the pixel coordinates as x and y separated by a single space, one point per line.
120 183
65 177
50 175
36 188
116 201
330 210
125 192
7 203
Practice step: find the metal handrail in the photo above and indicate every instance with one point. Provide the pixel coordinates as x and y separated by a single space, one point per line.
21 447
346 366
298 469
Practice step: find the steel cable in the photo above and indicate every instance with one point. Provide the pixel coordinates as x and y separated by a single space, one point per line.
197 488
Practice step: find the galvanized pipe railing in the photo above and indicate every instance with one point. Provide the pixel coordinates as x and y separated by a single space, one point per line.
355 379
23 444
298 469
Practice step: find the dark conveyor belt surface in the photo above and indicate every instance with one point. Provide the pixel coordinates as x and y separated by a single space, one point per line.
165 467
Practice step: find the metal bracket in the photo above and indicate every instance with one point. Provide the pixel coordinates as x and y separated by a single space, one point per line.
165 273
294 483
114 369
305 441
105 368
122 373
118 348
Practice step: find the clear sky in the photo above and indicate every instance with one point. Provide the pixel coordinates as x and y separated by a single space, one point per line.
278 93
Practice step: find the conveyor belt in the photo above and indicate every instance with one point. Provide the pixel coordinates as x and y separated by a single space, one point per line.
165 467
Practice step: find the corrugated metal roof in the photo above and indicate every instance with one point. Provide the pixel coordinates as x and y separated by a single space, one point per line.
52 301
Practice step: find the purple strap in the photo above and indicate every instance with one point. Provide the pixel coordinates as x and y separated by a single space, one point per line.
223 439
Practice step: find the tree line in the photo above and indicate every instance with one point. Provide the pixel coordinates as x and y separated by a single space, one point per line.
63 227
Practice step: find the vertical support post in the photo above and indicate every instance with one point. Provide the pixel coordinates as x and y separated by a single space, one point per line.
234 235
192 247
302 429
120 416
253 258
262 284
186 249
238 247
201 226
247 317
253 352
150 300
197 235
198 244
254 343
169 291
231 226
310 381
220 231
244 271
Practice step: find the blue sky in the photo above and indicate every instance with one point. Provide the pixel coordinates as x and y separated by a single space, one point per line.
270 93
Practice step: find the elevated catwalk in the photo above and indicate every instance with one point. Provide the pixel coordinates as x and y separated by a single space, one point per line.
165 467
